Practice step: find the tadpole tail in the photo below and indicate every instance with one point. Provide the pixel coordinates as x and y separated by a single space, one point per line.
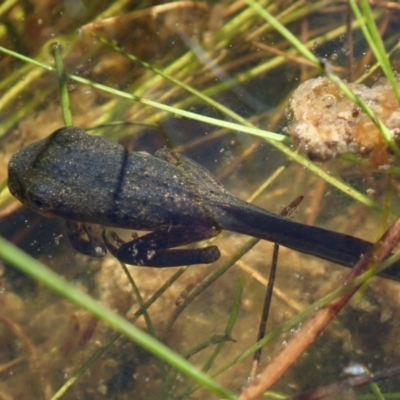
328 245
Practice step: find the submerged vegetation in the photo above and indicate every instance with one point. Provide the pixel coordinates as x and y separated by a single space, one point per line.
212 81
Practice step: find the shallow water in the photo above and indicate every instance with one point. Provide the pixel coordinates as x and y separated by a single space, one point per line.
44 339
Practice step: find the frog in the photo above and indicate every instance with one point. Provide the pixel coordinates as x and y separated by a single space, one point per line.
89 180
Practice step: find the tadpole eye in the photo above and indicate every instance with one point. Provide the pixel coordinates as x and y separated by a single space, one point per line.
35 201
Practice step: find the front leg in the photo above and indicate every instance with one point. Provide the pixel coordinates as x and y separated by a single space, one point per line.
84 240
155 248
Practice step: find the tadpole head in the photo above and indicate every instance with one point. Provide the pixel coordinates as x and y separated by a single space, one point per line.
33 171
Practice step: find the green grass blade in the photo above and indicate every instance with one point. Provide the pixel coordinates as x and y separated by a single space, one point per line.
285 32
374 40
197 93
48 278
230 324
62 81
227 334
72 380
273 138
324 67
300 318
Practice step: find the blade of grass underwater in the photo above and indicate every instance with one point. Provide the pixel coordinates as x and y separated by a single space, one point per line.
210 279
228 330
169 109
18 114
324 67
305 162
383 129
376 65
33 268
273 138
205 343
238 23
62 81
242 77
233 316
146 316
6 6
374 40
139 299
285 33
95 356
376 390
182 63
300 317
197 93
17 88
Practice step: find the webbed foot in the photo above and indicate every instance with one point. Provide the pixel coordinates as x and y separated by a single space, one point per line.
154 249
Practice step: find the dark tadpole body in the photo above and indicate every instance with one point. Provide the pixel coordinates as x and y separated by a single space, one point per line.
90 179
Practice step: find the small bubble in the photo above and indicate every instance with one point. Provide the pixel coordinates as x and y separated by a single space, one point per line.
355 369
328 101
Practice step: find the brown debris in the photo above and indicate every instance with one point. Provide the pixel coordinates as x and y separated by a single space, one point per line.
327 124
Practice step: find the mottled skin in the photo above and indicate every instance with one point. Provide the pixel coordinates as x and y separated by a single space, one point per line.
88 179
